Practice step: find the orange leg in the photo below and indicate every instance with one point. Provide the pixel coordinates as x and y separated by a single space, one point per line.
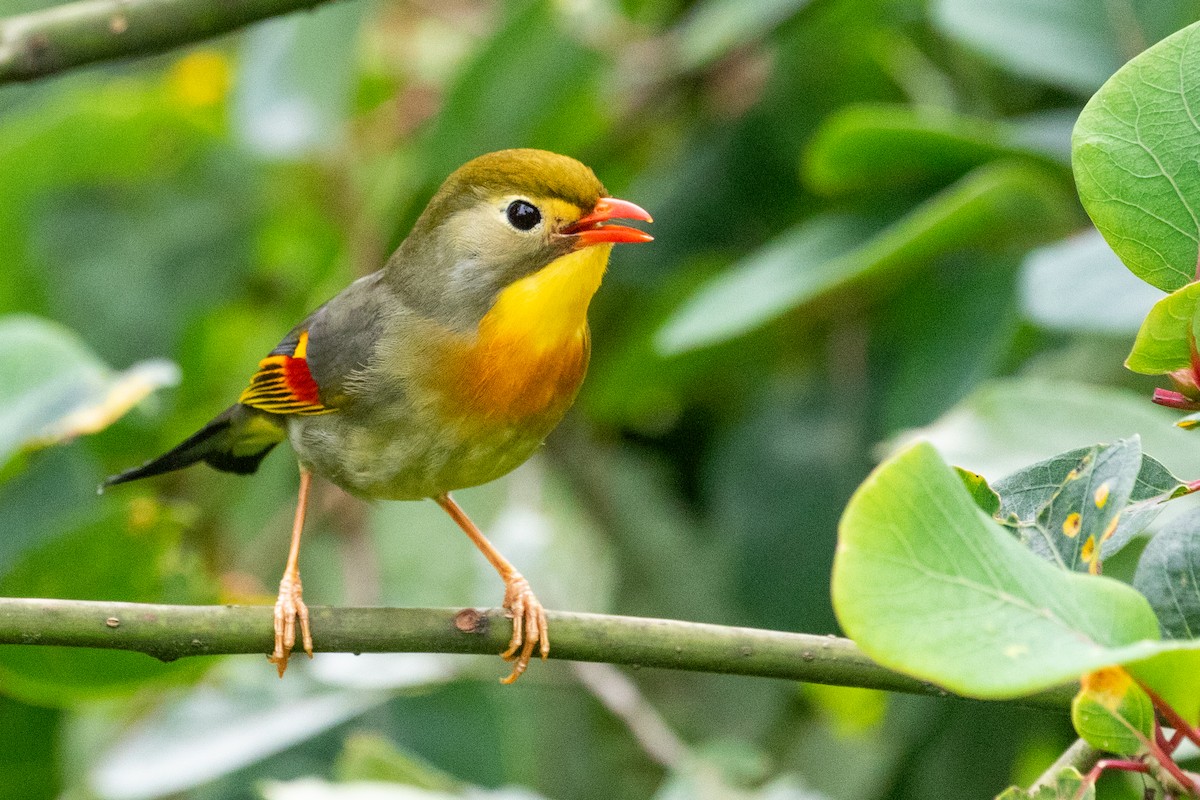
529 617
290 605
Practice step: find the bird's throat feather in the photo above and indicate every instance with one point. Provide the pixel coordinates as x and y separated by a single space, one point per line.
531 350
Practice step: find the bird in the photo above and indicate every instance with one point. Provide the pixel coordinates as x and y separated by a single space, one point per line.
445 369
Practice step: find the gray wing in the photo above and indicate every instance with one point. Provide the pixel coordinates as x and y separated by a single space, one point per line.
342 336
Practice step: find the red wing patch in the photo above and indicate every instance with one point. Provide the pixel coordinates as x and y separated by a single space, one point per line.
284 385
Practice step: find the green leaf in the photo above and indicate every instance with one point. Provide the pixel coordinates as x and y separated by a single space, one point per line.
881 149
714 28
760 288
319 789
1009 424
372 757
1168 574
1085 511
1134 159
928 585
295 84
1039 500
1164 342
994 206
53 388
244 715
1073 44
1112 714
984 496
1067 785
1079 284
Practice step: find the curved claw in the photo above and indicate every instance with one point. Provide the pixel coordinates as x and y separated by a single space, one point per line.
529 626
289 607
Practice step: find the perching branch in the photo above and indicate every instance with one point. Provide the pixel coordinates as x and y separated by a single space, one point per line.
55 39
171 632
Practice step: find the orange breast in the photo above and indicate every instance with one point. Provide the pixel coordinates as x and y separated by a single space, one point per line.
503 379
531 350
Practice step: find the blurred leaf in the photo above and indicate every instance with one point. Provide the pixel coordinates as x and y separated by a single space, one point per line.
881 149
48 493
1164 342
771 281
243 714
853 711
1079 284
929 586
992 206
730 770
370 757
126 553
1134 168
967 304
1111 713
29 760
1011 423
715 28
295 86
1167 574
53 388
1073 44
1067 786
317 789
1040 500
179 251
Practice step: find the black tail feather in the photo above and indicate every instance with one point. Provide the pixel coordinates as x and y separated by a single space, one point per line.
215 443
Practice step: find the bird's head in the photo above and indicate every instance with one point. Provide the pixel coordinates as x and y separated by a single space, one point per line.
505 216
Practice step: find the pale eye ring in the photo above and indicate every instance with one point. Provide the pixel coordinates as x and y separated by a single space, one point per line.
523 215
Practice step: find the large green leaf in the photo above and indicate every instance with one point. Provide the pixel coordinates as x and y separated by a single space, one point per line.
776 278
993 206
1074 44
928 585
245 715
1079 285
53 388
880 149
1135 158
1009 424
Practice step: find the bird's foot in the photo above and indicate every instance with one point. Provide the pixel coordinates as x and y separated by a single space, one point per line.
288 608
529 625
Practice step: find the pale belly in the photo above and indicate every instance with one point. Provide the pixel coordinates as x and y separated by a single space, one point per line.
406 460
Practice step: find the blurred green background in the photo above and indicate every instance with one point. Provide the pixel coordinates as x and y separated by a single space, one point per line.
865 226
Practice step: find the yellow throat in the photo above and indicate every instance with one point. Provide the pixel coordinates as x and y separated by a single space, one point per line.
531 351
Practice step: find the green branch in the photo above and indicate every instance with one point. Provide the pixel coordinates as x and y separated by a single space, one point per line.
171 632
55 39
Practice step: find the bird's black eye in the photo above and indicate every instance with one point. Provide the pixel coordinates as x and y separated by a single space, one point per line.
523 215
